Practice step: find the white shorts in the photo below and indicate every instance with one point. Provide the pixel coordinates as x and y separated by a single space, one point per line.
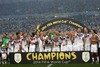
4 56
87 47
32 48
10 50
79 46
74 47
94 48
41 49
25 49
69 48
56 49
63 48
16 49
47 49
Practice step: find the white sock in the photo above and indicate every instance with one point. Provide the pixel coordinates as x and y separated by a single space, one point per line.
98 59
92 59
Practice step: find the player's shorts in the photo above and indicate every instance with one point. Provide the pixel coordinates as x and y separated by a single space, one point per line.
16 49
37 49
4 56
74 47
25 49
32 48
69 47
87 46
41 49
56 49
63 48
94 48
10 50
79 46
47 49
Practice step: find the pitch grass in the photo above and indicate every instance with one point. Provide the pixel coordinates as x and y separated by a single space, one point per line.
54 65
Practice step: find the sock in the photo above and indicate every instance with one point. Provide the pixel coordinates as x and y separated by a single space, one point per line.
97 58
92 59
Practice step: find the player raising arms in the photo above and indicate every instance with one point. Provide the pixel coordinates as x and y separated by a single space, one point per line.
94 40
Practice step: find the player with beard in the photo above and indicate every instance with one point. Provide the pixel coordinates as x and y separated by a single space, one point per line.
94 50
87 37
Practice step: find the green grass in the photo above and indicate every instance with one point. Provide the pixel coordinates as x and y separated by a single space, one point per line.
54 65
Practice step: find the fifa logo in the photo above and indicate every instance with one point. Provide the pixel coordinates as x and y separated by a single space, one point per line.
85 56
17 57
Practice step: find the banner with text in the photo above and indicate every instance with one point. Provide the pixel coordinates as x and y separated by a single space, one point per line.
50 57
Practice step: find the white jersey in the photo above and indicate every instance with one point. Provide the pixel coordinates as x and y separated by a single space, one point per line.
24 45
16 45
87 38
47 46
56 45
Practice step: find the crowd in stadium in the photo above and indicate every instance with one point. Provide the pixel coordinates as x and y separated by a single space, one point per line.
14 24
